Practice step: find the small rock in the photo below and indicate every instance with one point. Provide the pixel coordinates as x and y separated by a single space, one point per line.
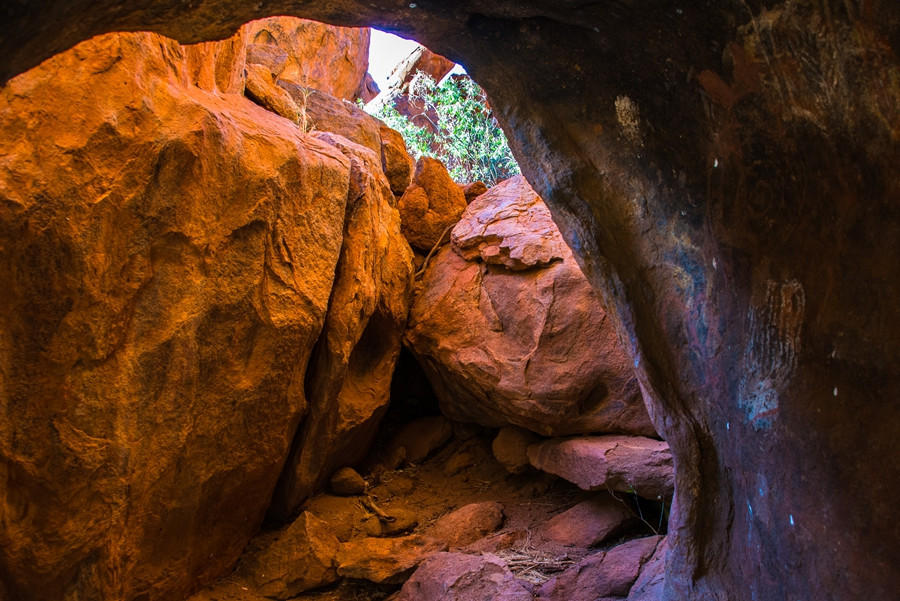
347 482
385 560
605 574
421 437
301 558
464 458
344 515
371 526
399 485
460 577
589 523
468 523
622 463
510 447
473 190
401 522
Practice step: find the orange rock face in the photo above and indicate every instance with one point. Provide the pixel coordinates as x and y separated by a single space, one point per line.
514 335
350 374
168 256
331 59
431 204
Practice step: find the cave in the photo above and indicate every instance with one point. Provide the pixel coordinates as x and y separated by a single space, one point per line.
723 173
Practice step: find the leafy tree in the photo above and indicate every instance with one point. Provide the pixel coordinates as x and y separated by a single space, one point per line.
463 133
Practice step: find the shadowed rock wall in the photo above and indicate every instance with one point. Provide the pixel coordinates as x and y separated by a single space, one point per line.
728 174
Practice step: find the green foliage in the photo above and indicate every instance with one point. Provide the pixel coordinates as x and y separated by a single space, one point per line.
468 139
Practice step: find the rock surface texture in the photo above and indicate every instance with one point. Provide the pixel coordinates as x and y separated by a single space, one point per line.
727 174
510 332
333 60
170 258
605 576
430 205
459 577
622 463
349 378
304 556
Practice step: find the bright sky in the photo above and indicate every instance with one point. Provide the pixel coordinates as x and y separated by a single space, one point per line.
386 51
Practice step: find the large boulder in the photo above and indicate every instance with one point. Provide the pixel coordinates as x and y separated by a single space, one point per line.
327 58
623 463
350 372
510 332
167 263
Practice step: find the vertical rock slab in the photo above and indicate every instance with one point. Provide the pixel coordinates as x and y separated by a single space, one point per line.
349 382
510 332
167 257
331 59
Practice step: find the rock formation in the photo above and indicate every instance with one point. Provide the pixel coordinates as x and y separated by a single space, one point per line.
727 174
333 60
172 254
511 333
430 205
420 60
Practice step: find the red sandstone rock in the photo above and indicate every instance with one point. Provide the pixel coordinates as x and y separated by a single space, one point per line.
468 524
589 523
301 558
327 58
431 204
398 165
649 585
217 66
473 190
531 347
262 90
346 516
460 577
622 463
351 368
269 56
510 448
604 576
385 560
368 89
420 60
510 226
422 436
347 482
325 113
687 252
168 258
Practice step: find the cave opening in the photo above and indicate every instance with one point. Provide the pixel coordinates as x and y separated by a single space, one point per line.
726 173
220 259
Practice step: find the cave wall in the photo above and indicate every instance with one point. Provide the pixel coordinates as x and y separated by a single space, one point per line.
728 174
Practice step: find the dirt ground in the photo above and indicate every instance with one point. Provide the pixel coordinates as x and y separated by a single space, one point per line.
415 496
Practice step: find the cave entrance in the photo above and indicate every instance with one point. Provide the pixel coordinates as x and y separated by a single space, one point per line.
514 424
256 285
